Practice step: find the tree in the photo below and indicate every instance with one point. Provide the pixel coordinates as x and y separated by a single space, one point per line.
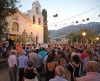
90 36
72 37
46 33
7 8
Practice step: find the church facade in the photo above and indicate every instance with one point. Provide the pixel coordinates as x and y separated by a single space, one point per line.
29 23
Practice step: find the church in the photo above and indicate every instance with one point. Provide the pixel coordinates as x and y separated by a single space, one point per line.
28 24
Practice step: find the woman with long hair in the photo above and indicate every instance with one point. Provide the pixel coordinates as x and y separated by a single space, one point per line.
49 68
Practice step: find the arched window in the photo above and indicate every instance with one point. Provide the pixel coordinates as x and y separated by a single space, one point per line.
33 19
39 20
37 10
15 26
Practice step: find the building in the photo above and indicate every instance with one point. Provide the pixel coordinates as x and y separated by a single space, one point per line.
29 23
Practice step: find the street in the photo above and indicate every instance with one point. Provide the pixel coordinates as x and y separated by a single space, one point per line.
4 75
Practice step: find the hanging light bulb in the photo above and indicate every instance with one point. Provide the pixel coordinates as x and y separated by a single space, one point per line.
55 25
83 20
87 19
76 21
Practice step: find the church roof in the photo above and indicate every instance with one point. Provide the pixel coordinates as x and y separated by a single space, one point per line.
18 11
36 3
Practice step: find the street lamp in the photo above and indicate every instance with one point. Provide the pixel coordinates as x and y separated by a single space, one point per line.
84 34
97 38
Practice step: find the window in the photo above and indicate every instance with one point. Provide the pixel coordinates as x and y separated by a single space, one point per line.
15 26
39 20
37 10
33 19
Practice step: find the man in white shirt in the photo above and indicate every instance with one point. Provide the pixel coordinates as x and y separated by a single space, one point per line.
12 62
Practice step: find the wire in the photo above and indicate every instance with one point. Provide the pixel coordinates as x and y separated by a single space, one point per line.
65 6
77 15
78 22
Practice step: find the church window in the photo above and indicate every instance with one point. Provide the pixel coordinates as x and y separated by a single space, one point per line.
33 19
39 21
37 10
15 26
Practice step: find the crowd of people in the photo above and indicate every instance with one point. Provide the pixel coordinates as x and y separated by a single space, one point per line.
54 62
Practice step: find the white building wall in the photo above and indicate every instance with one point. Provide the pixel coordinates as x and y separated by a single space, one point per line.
26 23
36 29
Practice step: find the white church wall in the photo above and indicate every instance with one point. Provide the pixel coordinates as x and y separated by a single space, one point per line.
26 23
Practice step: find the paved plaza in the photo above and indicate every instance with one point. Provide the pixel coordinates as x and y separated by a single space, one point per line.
4 75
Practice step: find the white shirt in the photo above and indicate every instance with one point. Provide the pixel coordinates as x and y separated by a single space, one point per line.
12 60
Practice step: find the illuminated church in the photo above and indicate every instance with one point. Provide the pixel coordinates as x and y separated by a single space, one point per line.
29 23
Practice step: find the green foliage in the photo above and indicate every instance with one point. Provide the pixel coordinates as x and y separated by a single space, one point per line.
72 37
46 32
78 37
7 8
44 13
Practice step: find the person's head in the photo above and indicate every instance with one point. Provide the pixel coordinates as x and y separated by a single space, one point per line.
11 47
43 48
37 51
59 71
61 53
13 52
76 59
50 58
32 50
93 66
89 53
30 63
23 52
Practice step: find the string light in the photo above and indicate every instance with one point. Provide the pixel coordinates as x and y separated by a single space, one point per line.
77 22
77 15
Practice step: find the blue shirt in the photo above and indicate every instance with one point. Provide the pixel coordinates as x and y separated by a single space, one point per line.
58 78
43 54
27 51
22 61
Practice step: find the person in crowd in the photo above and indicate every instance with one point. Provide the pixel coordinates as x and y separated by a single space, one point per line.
62 59
49 68
89 57
37 63
4 45
43 53
99 59
83 55
27 51
93 74
30 72
1 51
49 49
59 71
9 50
19 46
22 63
12 62
59 55
11 42
31 55
74 68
